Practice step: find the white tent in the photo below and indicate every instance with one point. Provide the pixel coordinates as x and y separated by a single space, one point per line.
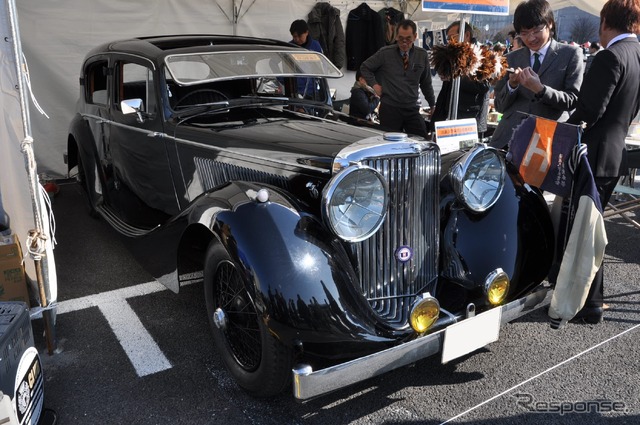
57 34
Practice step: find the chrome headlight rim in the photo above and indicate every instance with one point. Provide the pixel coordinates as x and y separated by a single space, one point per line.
330 191
461 169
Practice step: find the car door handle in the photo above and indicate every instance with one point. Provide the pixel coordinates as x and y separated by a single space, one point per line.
154 134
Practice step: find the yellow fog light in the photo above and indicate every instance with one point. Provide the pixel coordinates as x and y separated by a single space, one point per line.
424 313
496 287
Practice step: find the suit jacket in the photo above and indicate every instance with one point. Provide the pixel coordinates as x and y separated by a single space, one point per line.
608 102
561 72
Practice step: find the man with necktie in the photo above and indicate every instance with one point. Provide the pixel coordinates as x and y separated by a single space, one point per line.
395 72
546 75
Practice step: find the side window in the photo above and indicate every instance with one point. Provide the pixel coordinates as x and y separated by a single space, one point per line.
96 83
136 82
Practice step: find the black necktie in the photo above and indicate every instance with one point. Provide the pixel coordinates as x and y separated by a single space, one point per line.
536 62
405 60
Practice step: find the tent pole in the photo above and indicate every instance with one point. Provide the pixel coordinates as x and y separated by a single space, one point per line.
455 87
37 236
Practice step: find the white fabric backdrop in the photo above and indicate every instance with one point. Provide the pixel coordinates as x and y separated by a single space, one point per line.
16 207
56 34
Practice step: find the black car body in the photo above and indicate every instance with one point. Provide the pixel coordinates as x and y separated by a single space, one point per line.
331 250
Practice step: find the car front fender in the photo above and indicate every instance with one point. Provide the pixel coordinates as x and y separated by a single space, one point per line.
299 275
516 235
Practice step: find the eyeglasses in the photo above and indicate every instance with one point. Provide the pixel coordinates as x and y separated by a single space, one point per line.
405 39
534 32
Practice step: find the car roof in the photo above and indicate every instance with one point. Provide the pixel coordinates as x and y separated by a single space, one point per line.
157 47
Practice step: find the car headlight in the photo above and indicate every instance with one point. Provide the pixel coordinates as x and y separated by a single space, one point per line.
354 203
478 178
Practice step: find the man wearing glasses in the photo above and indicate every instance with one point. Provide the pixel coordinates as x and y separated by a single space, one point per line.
395 72
547 75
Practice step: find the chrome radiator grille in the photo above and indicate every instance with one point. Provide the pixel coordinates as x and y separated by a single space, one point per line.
412 221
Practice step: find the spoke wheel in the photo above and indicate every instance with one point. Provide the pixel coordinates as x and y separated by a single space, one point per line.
242 332
258 361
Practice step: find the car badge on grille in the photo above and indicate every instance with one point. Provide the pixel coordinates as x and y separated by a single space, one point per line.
404 253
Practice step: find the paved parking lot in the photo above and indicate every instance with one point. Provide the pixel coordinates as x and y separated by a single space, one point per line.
130 352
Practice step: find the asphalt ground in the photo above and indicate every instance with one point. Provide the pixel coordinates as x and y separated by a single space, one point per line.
129 352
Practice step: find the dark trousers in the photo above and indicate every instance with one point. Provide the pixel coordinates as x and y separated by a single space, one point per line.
406 120
605 187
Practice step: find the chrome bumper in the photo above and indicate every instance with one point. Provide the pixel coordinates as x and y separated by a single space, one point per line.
308 384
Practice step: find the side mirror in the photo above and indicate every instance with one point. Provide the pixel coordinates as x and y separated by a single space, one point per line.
132 106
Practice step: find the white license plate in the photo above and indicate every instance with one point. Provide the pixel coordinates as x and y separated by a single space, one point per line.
471 334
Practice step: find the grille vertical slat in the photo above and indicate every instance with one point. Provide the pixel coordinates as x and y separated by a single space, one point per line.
412 220
215 173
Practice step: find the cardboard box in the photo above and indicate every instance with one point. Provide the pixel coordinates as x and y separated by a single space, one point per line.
13 283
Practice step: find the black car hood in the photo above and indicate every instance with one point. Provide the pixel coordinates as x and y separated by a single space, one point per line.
300 140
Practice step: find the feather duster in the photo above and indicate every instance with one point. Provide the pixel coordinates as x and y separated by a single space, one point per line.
480 63
452 60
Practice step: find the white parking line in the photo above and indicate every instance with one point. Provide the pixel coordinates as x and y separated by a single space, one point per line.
540 374
143 352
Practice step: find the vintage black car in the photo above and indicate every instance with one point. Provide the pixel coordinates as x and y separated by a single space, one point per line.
330 252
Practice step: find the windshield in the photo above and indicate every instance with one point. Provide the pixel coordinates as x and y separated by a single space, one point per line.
197 68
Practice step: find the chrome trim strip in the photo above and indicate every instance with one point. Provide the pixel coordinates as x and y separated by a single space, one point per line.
308 384
120 225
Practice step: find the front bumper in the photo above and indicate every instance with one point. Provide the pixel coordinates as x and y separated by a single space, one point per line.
308 384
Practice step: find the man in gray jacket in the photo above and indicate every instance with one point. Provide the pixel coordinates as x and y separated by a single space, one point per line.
547 75
395 72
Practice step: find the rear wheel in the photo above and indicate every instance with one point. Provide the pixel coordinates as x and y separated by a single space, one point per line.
257 360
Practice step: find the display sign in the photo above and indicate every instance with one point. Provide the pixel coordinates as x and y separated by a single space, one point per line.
493 7
452 135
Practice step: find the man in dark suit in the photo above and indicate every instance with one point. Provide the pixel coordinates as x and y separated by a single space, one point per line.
547 75
607 103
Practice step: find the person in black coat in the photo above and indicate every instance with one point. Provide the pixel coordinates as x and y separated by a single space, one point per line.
473 96
607 103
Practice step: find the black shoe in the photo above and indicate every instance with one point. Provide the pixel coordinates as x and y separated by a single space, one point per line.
592 315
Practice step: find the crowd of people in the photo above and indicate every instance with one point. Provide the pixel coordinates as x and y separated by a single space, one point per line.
546 78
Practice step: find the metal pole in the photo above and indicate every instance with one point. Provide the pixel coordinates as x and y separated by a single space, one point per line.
34 185
455 87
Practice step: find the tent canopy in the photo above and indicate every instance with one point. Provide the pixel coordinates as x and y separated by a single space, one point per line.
57 35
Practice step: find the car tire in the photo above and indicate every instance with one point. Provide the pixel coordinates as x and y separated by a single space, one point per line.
256 359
